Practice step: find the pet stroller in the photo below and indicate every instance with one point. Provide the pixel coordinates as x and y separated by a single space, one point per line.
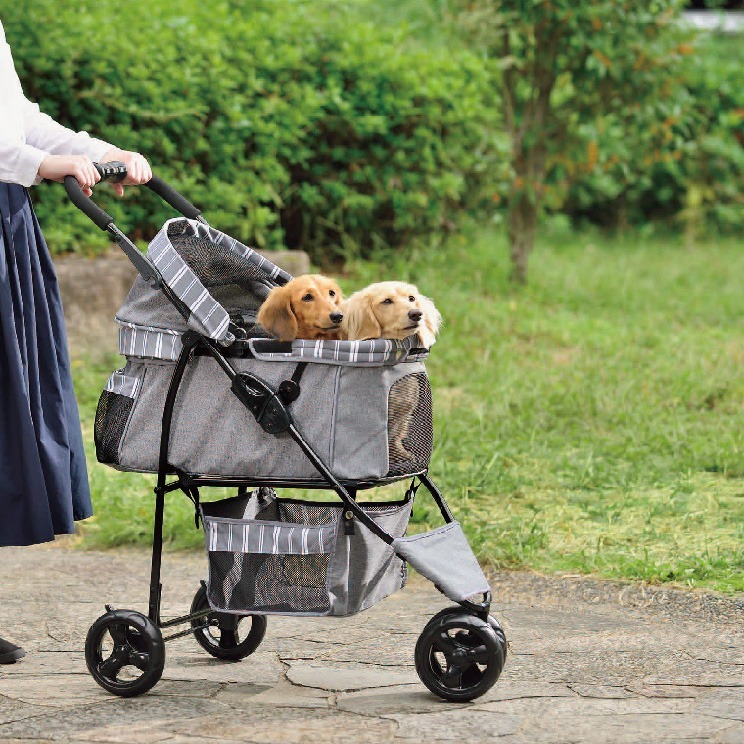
206 399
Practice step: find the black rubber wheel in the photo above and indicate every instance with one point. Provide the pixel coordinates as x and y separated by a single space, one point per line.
125 652
458 656
227 636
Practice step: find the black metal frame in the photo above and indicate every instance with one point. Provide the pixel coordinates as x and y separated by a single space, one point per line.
265 403
190 484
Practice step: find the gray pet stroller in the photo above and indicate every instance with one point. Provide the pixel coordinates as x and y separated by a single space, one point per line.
206 399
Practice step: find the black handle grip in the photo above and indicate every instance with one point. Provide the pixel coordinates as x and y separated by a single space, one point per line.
117 172
86 205
114 171
168 194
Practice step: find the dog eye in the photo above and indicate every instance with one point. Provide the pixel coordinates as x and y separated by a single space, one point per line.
388 301
411 298
332 293
307 298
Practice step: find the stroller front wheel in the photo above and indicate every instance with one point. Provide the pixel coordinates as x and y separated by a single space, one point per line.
226 636
459 656
125 653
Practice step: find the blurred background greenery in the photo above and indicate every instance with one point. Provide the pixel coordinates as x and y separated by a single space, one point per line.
591 421
346 126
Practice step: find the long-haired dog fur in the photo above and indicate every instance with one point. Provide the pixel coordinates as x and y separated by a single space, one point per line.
393 310
390 310
308 306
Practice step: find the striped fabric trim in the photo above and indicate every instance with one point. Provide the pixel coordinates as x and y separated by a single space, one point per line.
373 353
207 317
123 385
274 538
146 341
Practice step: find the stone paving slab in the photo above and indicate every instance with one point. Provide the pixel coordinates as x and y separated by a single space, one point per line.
589 661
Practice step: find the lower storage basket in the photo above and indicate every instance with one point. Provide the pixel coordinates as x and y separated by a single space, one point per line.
289 557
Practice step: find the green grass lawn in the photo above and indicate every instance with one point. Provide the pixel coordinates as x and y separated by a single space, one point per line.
592 422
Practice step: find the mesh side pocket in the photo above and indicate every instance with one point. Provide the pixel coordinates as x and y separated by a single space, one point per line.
410 432
269 567
111 420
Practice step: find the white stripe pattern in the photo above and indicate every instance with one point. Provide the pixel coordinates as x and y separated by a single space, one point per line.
239 536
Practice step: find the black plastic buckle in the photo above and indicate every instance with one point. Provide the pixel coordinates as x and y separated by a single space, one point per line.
265 404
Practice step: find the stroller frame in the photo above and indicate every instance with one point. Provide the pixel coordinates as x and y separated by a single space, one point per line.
138 640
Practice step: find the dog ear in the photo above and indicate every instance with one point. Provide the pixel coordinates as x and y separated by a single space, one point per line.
430 323
276 316
359 321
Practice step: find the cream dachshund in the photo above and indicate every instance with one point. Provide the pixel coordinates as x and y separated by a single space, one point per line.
390 310
308 306
394 310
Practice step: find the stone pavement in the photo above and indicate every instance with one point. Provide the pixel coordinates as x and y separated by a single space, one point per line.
590 662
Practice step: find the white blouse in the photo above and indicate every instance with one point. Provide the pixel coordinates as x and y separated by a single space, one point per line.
27 136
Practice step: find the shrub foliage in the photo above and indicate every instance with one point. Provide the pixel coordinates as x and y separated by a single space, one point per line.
289 122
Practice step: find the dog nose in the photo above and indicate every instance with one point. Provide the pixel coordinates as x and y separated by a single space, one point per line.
337 317
415 315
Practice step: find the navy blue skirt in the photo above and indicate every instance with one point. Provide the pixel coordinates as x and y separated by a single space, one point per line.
43 475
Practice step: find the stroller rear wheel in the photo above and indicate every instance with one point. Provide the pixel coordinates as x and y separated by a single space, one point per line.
227 636
459 656
125 652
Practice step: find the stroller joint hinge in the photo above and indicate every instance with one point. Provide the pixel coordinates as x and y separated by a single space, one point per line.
264 403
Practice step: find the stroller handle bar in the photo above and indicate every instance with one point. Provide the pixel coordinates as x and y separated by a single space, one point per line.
117 172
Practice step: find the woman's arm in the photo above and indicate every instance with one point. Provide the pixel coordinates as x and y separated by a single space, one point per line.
19 163
49 136
46 134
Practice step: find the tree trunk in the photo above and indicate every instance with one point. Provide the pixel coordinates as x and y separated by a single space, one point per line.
522 221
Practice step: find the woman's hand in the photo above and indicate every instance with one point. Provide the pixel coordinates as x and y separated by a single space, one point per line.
138 169
56 167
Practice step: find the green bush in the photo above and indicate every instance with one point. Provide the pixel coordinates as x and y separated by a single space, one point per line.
685 167
290 123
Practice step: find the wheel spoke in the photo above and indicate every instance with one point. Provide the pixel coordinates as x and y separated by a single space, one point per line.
471 676
112 666
479 655
118 632
453 676
140 659
445 643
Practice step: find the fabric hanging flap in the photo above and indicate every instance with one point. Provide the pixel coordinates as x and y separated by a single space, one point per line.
446 559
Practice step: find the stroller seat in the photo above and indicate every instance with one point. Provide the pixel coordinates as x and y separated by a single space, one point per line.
364 406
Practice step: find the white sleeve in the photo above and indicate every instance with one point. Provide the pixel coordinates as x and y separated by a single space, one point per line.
20 163
44 133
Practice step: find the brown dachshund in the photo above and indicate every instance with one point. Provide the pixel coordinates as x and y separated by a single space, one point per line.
306 307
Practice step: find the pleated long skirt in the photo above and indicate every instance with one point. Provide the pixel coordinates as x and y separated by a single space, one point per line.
43 476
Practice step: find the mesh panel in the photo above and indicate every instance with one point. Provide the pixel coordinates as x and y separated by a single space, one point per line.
410 433
269 583
213 263
112 415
